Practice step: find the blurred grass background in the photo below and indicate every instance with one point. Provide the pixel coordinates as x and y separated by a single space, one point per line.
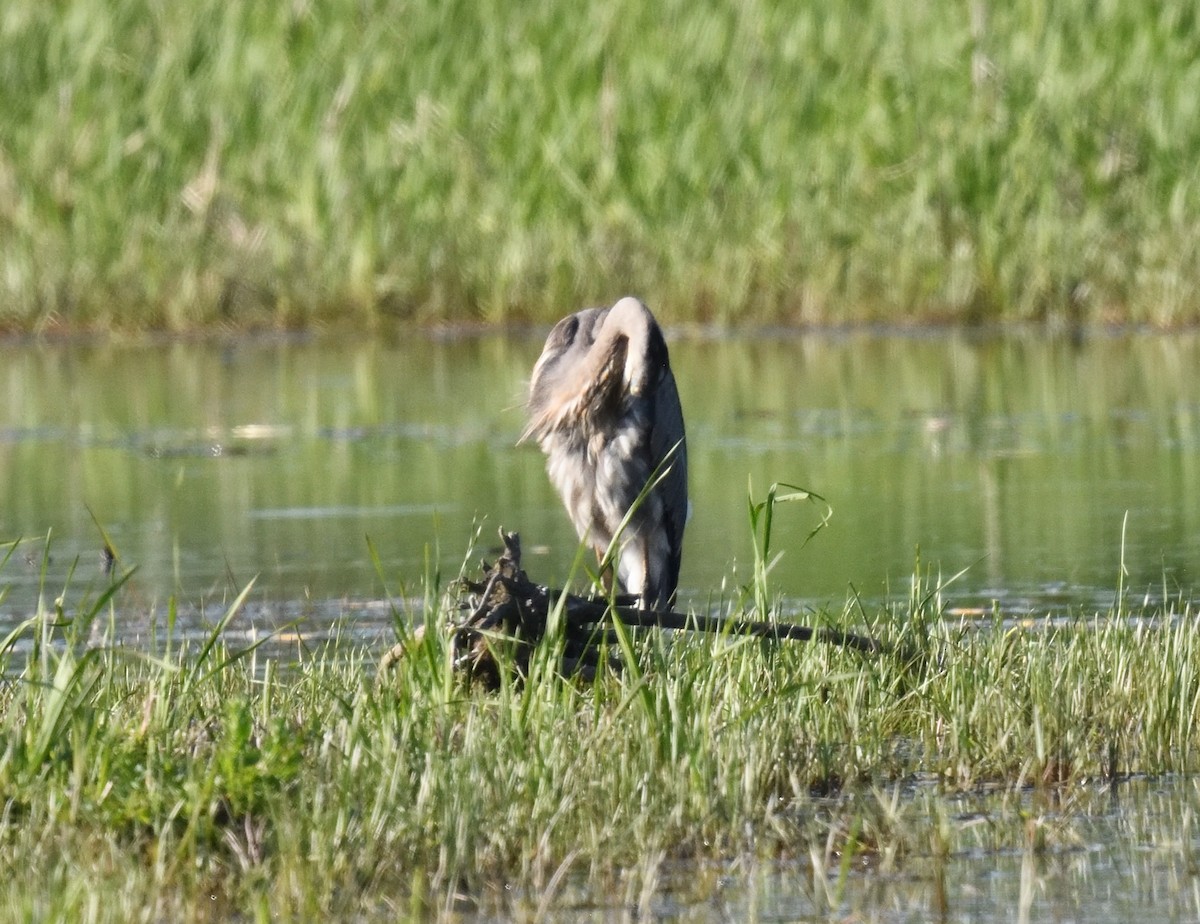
179 166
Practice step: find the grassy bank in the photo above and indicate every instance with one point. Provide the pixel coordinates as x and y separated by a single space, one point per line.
195 783
188 165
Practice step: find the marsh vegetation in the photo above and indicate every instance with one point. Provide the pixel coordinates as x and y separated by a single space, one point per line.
187 165
195 780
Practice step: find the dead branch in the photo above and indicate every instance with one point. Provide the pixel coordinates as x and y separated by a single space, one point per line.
509 613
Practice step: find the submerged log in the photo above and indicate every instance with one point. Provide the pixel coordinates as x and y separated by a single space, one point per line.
507 617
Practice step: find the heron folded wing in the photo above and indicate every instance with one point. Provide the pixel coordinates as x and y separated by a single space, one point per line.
668 446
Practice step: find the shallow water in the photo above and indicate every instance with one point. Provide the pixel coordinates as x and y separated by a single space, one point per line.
1042 467
1053 472
1094 853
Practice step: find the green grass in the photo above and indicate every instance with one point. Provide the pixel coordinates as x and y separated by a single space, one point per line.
180 166
189 783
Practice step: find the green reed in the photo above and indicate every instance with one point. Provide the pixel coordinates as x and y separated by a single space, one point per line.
195 781
207 164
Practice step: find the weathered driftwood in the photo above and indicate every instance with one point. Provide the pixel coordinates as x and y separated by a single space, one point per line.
508 615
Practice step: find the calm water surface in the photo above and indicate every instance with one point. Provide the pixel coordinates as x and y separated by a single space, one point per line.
1030 463
1086 855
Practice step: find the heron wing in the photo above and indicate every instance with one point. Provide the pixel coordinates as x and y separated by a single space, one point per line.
667 444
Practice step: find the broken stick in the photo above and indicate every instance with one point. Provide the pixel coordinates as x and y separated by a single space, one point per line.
509 611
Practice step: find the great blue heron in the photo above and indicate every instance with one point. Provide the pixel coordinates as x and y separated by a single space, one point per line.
604 409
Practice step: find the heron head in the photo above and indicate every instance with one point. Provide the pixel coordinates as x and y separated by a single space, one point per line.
590 359
561 375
